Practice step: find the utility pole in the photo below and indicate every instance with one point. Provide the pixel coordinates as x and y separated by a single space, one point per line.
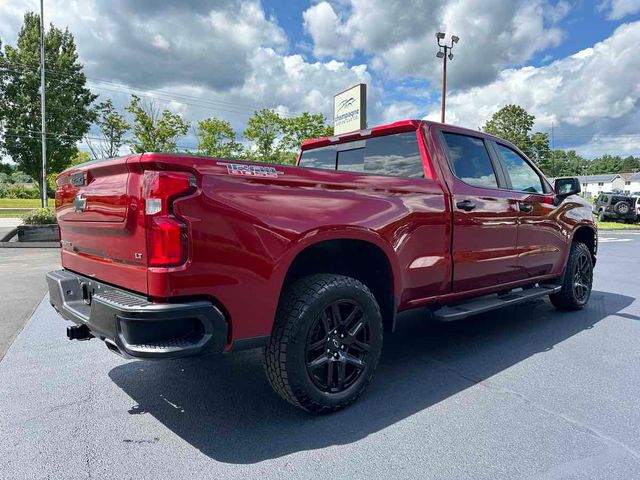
43 132
445 52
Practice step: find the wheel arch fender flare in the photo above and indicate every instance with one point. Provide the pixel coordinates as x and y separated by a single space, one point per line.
317 236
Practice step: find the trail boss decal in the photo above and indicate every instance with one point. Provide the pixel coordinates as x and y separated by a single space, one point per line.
251 170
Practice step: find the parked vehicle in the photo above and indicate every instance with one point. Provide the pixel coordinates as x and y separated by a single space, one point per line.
616 206
168 256
636 195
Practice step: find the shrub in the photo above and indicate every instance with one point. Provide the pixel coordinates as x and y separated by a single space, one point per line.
10 190
40 216
20 177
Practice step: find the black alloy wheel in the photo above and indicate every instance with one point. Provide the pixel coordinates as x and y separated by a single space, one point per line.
582 277
338 346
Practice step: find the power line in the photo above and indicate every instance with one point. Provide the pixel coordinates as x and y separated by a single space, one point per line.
162 95
35 134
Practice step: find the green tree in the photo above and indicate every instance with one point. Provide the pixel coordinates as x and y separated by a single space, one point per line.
606 164
540 150
563 163
81 156
113 127
512 123
265 129
278 139
630 164
69 113
303 127
217 138
298 129
6 168
154 131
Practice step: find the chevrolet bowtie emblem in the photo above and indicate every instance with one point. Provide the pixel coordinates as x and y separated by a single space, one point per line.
79 203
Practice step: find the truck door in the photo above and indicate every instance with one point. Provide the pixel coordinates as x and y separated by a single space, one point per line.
485 215
540 238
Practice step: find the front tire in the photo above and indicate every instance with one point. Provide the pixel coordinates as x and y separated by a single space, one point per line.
576 281
325 344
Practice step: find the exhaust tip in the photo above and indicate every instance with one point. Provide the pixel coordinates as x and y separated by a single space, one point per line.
112 347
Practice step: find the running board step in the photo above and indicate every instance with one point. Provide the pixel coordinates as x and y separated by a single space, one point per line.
492 302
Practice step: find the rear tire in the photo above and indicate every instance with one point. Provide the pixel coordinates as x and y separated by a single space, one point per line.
325 344
576 281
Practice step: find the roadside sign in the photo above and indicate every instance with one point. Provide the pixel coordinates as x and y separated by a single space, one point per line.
350 109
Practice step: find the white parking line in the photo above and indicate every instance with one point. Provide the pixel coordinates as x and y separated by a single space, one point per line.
613 239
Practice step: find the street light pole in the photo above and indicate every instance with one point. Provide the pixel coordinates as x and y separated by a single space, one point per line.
445 52
43 192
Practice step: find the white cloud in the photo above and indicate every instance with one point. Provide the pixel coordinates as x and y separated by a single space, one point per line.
618 9
596 90
398 34
329 34
623 145
293 83
158 43
227 59
400 111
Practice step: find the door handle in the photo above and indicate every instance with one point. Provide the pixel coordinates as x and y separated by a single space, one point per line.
525 207
466 205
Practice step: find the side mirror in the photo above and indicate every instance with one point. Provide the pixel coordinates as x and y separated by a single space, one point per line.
565 187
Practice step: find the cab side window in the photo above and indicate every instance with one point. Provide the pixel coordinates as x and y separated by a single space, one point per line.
523 177
469 160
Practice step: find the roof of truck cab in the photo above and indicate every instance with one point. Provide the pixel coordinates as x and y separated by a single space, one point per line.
396 127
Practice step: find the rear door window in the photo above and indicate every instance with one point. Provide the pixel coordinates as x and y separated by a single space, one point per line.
470 161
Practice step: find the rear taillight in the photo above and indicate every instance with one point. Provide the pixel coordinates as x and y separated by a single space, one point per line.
167 236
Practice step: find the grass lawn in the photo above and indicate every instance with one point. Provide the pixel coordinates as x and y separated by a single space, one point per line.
8 203
618 226
22 202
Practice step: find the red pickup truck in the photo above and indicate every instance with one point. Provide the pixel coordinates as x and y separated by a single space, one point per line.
168 256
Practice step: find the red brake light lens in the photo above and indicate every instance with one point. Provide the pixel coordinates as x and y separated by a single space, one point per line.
167 236
166 240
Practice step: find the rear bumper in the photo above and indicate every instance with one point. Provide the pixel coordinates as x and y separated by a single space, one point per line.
131 325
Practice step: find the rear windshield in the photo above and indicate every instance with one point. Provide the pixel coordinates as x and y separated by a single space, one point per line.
397 155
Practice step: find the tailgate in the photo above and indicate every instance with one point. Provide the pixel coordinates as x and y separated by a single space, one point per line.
101 222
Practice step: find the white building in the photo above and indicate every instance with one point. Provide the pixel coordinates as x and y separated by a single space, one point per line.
594 185
631 183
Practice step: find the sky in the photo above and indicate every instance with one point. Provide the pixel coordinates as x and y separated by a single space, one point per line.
574 64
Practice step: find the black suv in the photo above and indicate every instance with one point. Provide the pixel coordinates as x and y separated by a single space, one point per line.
615 206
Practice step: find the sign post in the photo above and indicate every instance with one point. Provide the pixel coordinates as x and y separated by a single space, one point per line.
350 110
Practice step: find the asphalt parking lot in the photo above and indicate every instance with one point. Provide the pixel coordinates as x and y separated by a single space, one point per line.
22 285
525 393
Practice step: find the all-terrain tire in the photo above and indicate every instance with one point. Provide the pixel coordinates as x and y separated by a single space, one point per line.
301 307
579 271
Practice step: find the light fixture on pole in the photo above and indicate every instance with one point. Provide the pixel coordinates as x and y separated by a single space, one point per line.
445 52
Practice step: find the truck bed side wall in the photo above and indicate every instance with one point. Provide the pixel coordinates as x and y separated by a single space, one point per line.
247 230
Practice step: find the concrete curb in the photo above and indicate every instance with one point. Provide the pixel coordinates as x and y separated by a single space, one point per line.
10 235
29 244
